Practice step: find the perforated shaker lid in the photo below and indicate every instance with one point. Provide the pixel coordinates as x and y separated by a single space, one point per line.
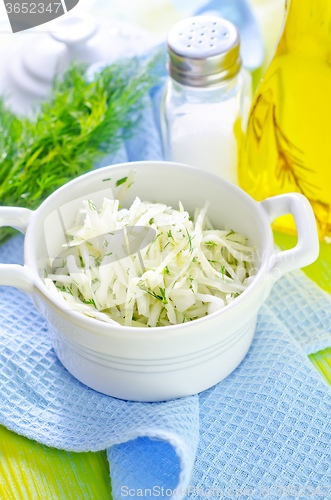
203 51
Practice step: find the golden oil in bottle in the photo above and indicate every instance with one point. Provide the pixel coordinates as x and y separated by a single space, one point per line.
288 142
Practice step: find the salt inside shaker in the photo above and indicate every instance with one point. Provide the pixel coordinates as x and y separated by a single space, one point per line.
207 96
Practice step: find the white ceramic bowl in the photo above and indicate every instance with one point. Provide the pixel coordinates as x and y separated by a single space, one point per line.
155 364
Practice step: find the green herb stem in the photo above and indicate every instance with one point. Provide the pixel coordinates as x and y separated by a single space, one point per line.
82 122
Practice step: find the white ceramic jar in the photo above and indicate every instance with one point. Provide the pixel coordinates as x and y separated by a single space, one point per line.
161 363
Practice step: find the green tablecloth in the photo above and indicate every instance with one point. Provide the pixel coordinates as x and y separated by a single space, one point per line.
31 471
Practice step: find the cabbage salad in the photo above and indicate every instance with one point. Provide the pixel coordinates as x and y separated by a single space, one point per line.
188 270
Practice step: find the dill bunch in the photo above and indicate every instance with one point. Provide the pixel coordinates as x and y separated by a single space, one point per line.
81 122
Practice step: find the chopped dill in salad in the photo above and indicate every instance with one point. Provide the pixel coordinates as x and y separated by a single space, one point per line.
187 271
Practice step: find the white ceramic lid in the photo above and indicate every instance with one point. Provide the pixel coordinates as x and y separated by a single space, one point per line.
203 51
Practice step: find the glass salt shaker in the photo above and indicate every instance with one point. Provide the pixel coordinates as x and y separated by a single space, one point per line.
207 96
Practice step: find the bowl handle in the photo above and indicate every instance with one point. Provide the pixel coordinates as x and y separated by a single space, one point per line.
13 274
307 249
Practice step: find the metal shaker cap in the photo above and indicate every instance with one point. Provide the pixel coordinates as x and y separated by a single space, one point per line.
203 51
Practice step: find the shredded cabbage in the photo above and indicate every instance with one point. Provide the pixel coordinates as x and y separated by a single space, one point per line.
189 270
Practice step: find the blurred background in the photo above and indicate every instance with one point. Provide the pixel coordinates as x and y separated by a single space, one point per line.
157 17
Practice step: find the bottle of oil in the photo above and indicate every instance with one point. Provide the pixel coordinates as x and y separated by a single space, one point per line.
288 142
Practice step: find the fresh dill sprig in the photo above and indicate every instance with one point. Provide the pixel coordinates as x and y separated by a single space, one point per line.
80 123
166 270
91 205
121 181
190 240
